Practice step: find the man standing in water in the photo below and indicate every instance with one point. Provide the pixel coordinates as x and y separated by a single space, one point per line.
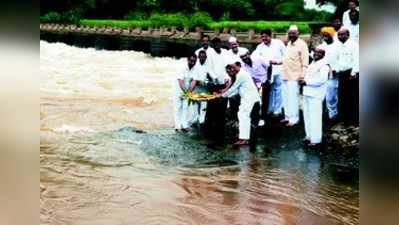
216 109
185 83
295 63
248 114
261 75
314 90
273 51
204 76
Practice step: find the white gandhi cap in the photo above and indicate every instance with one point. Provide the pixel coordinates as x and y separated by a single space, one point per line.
232 40
293 28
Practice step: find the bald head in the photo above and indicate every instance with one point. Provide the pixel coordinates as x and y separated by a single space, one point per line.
343 34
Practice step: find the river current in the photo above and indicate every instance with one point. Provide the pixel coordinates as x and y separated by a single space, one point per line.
109 155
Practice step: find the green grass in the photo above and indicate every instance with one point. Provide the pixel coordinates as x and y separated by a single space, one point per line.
276 26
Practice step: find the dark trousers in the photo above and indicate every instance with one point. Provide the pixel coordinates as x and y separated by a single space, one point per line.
348 98
266 89
215 119
255 117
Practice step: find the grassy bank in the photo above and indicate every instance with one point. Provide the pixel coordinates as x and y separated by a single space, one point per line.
276 26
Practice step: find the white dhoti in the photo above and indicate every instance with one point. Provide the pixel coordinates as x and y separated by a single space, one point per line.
244 120
291 101
276 96
312 115
332 98
182 113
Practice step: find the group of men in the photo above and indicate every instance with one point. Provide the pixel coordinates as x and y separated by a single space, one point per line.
270 80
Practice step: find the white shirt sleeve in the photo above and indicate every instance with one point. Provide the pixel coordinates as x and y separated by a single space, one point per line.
318 79
234 88
345 19
355 66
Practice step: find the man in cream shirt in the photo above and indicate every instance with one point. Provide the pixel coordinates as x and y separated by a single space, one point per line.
295 63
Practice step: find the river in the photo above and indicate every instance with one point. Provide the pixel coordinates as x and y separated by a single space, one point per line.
109 155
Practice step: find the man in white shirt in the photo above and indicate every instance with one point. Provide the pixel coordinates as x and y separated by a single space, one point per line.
216 109
248 114
314 88
204 76
185 83
354 25
235 50
273 51
260 72
348 75
352 5
331 56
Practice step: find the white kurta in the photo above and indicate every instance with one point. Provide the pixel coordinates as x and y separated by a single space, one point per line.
354 32
331 58
245 87
275 51
220 62
348 56
199 111
183 114
316 79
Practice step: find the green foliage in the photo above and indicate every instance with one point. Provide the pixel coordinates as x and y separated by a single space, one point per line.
200 19
136 15
51 17
276 26
117 23
178 20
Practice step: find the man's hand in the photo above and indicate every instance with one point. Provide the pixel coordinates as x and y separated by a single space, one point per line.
302 82
274 62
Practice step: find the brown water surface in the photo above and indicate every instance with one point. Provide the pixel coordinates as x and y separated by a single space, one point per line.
109 155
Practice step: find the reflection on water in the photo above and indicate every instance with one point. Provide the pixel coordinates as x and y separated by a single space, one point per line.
109 156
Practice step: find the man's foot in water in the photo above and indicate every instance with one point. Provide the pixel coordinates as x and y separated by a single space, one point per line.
241 143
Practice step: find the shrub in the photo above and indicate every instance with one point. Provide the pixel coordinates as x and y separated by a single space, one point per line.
276 26
136 15
200 19
178 20
51 17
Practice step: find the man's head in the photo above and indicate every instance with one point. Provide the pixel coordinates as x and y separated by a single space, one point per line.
337 24
217 44
328 34
205 41
352 4
266 36
202 56
354 16
343 34
293 33
232 69
191 60
233 44
246 58
319 53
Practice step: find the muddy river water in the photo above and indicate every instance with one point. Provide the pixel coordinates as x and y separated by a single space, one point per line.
109 155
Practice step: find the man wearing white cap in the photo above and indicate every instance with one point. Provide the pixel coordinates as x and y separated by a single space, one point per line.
235 50
248 114
314 89
295 63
